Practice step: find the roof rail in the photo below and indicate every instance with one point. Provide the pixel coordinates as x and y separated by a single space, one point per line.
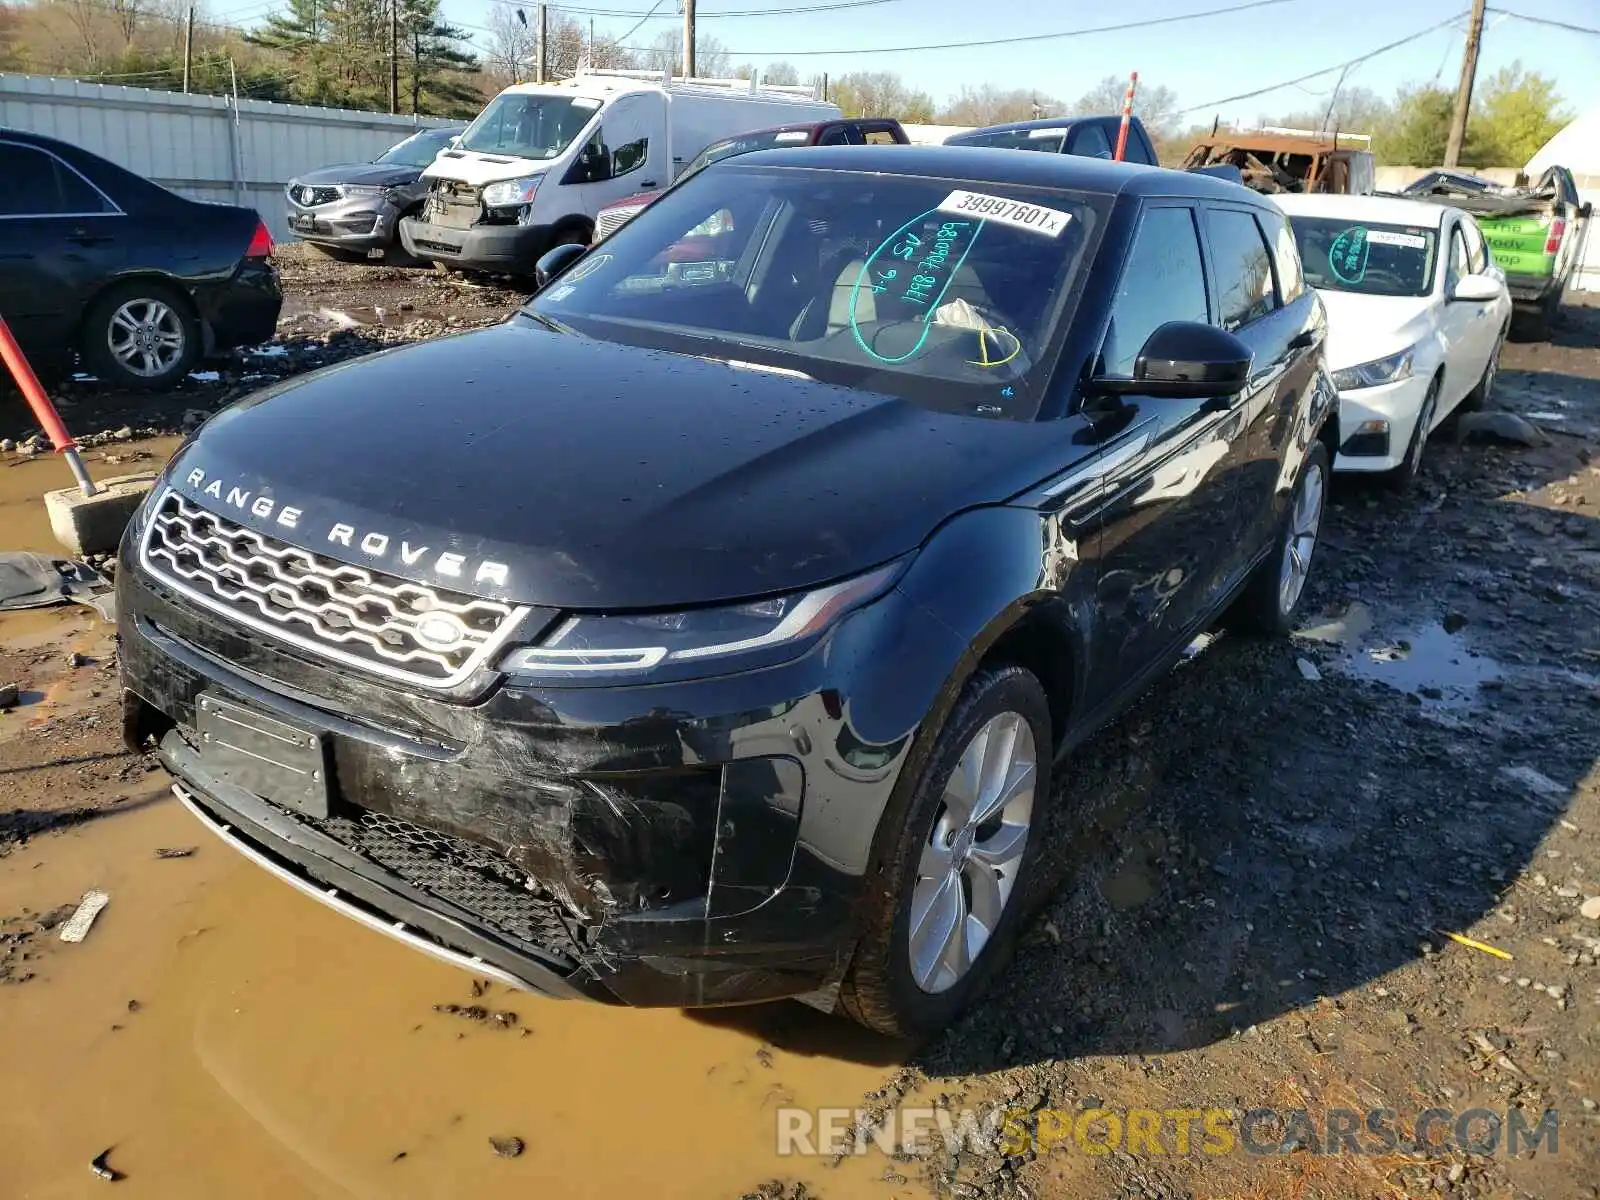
753 85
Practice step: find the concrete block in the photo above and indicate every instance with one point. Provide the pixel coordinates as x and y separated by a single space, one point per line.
94 524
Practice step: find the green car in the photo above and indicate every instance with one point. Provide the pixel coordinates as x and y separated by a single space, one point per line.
1536 233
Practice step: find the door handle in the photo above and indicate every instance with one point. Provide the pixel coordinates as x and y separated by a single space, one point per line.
84 238
1304 340
648 183
1218 404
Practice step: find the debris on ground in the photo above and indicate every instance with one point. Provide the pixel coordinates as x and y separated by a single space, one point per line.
10 696
102 1167
175 851
77 925
1504 426
508 1147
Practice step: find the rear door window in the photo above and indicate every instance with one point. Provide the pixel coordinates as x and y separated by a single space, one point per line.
1243 267
878 135
34 183
1163 280
839 135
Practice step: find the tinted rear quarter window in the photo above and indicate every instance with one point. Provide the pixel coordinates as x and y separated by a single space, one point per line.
1243 266
1285 256
1089 141
34 183
1163 280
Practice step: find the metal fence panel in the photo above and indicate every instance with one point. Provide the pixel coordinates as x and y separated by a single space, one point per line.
187 143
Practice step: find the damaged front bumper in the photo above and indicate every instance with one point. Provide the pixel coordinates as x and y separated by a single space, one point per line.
681 844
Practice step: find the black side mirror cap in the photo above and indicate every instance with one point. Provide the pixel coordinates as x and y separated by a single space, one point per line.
554 262
1185 360
1586 209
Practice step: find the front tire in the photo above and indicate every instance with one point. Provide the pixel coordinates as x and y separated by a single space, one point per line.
141 335
941 909
1271 599
1478 397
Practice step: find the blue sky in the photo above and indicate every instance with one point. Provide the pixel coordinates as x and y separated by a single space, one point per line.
1201 60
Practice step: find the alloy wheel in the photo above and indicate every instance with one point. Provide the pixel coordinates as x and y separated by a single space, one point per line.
147 337
970 862
1305 520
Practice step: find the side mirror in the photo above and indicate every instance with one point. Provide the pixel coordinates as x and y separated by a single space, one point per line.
1476 288
1586 210
554 262
1185 360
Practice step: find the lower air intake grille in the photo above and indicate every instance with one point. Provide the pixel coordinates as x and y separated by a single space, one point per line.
458 872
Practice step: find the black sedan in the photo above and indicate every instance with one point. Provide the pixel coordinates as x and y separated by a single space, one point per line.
101 265
354 209
711 630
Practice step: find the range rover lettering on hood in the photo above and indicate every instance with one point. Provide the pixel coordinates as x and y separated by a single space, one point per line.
374 544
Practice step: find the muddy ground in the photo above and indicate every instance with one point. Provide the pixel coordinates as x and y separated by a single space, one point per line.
1251 881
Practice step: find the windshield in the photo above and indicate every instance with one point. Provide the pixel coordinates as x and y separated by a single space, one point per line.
529 126
942 292
419 149
732 147
1371 260
1047 140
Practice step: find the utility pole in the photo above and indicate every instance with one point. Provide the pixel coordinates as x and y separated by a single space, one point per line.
1469 69
394 56
540 75
188 47
688 39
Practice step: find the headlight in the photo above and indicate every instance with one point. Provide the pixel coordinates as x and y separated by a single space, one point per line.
363 189
510 192
1379 371
586 646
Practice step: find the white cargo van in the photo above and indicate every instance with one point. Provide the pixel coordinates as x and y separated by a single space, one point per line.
537 164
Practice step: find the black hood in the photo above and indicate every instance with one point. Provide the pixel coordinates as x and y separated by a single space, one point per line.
372 174
599 476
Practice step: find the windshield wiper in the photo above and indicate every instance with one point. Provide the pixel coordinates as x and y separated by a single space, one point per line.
552 326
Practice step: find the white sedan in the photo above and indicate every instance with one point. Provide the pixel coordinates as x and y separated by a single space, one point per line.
1417 312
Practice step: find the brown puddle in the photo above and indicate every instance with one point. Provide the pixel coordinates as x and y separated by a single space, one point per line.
278 1049
24 481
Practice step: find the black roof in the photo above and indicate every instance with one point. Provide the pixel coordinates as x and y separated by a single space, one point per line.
982 164
1042 123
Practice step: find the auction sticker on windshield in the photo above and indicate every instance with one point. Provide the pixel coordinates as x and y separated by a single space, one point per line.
1382 237
1035 218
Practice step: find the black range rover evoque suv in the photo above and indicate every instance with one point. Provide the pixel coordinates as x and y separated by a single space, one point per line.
709 631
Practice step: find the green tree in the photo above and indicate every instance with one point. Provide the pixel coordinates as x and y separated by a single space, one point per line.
440 74
880 94
1517 112
1420 128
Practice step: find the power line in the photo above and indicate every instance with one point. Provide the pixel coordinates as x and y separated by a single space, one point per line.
1147 23
641 21
1570 28
1360 58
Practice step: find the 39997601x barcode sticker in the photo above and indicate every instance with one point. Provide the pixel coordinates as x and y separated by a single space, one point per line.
1035 218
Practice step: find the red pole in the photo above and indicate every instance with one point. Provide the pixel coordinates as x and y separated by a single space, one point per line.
45 412
1127 115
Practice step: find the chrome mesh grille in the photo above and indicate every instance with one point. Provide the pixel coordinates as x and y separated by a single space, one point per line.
311 197
613 219
335 610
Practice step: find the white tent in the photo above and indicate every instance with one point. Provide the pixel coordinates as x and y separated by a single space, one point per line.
1577 148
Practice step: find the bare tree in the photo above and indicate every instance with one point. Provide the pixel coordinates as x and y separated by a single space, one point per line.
1156 106
665 53
990 105
513 46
